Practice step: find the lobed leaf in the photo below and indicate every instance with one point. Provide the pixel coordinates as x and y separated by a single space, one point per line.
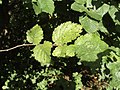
88 46
42 53
66 32
35 35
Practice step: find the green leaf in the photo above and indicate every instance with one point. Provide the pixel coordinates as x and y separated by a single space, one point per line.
80 1
102 28
115 71
0 1
78 81
89 4
36 8
43 6
42 53
88 46
66 32
78 7
113 11
63 51
89 25
94 14
35 35
103 10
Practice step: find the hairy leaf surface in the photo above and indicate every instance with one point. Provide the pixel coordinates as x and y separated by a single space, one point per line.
35 35
88 46
66 32
42 53
43 6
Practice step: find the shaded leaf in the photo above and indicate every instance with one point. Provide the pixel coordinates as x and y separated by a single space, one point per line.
88 46
42 53
35 35
66 32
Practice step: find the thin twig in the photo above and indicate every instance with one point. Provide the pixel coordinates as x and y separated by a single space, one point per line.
22 45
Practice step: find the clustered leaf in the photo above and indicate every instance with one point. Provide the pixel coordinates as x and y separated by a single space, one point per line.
42 53
35 35
89 25
79 5
43 6
77 79
115 71
63 51
88 46
66 32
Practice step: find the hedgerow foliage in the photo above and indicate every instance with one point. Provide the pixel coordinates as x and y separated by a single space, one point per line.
93 41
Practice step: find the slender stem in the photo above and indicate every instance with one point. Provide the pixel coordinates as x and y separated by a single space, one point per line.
22 45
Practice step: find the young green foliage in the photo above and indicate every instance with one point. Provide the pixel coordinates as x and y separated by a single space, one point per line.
115 72
66 32
89 25
35 35
43 6
79 5
77 79
88 46
64 51
42 53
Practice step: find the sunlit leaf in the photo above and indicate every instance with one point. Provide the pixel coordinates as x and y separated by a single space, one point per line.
102 28
43 6
115 71
42 53
89 25
35 35
78 80
88 46
89 4
80 1
36 8
115 14
63 51
78 7
94 14
0 1
103 9
66 32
